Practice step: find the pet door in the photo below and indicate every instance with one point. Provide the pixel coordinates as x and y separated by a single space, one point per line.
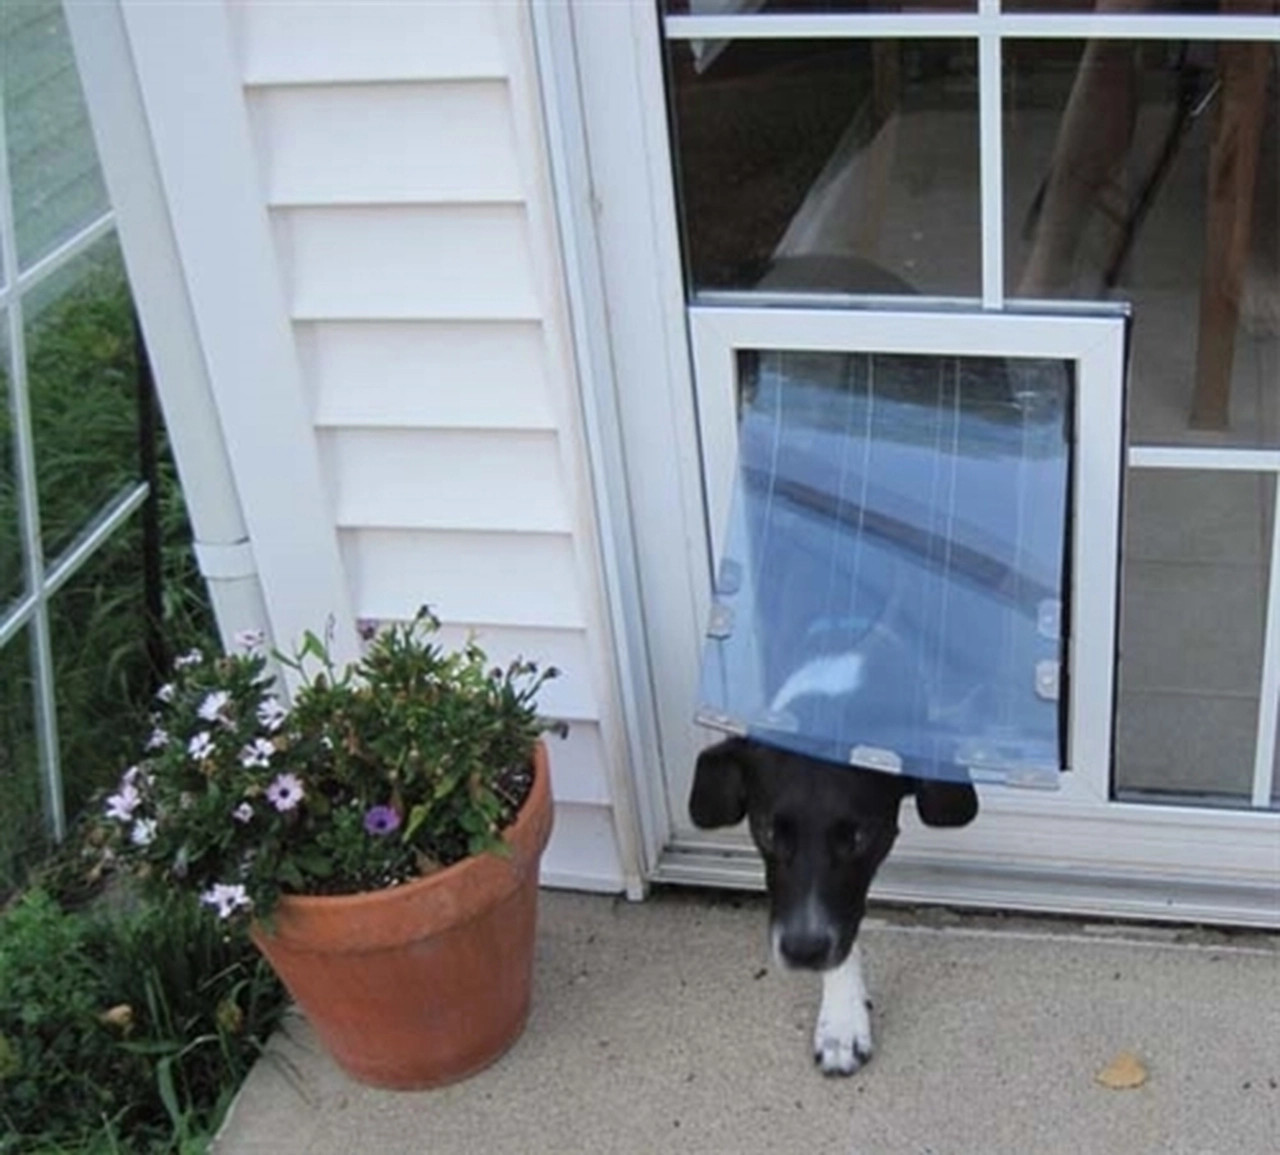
890 593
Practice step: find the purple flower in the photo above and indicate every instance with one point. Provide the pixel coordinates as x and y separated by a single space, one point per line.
380 820
285 792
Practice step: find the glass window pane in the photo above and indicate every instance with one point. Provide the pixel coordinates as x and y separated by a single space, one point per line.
12 578
771 7
22 823
1150 172
53 167
101 674
829 165
82 381
1196 570
1139 7
894 570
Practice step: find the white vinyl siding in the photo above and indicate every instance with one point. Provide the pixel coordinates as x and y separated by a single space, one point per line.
417 257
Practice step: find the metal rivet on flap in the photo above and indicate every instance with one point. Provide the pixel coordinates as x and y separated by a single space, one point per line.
721 621
730 581
714 720
1047 680
876 758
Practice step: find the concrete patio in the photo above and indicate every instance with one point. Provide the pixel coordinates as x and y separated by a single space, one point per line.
664 1026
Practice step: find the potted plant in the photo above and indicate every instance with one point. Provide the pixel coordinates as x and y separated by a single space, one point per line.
380 835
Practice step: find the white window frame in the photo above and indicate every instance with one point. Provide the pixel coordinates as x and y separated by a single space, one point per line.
1095 345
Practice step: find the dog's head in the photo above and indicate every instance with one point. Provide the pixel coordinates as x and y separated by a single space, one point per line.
823 830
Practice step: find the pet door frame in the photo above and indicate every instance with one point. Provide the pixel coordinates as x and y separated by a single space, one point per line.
1094 344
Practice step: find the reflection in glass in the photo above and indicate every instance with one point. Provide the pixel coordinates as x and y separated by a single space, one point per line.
828 165
767 7
1140 7
12 579
102 679
53 168
1150 172
82 381
891 586
21 819
1196 572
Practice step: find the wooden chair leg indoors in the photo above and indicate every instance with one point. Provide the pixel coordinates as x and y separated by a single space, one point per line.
1233 172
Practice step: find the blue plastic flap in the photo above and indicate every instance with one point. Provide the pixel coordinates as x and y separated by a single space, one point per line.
890 593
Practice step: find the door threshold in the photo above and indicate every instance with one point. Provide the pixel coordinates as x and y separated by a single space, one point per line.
920 880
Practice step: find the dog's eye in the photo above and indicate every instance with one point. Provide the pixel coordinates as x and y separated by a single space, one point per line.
848 840
776 836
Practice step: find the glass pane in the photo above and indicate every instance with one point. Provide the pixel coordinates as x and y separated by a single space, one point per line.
82 380
53 167
12 579
828 165
771 7
1150 172
21 817
891 588
1196 568
101 675
1140 7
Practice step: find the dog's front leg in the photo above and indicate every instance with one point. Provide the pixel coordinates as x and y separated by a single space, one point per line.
842 1040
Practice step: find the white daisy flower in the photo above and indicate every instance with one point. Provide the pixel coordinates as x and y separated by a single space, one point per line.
225 898
250 639
285 792
212 707
201 746
243 812
166 692
144 832
159 739
190 658
122 805
258 753
272 714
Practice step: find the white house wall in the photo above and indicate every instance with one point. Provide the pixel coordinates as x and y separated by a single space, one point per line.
403 173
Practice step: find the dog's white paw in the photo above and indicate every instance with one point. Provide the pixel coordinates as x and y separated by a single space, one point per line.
842 1044
842 1039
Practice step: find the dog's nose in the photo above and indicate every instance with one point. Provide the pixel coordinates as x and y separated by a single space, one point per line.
807 948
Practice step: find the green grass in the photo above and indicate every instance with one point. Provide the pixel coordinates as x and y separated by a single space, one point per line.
125 1027
82 373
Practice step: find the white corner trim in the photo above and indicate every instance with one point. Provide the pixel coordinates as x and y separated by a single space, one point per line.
194 102
604 543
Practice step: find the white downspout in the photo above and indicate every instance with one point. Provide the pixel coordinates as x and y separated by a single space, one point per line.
222 547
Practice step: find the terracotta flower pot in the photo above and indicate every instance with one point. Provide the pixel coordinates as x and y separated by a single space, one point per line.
421 984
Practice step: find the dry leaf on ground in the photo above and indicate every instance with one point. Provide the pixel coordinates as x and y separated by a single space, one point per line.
1123 1073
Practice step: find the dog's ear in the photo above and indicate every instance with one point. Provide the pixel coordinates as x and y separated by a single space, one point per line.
945 803
719 795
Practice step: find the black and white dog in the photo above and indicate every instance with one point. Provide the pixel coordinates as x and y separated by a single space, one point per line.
823 831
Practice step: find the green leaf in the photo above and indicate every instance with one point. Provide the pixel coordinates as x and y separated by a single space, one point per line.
417 816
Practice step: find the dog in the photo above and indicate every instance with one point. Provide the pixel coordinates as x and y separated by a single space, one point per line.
823 830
